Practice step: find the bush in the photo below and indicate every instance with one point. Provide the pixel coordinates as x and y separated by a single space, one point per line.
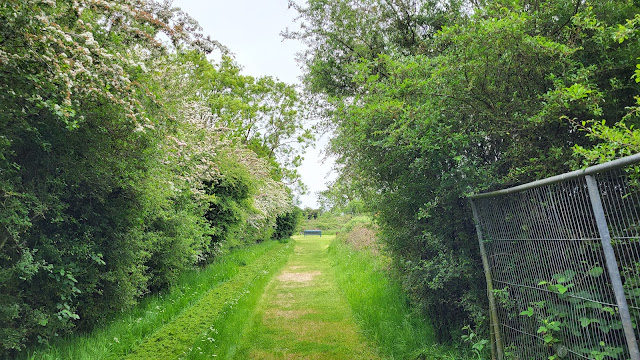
112 181
286 224
230 200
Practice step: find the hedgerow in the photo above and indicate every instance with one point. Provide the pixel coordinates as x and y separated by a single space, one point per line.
117 169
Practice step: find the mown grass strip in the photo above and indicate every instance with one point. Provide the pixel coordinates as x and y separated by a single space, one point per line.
223 336
382 309
116 339
302 314
176 339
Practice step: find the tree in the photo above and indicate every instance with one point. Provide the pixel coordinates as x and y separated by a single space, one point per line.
264 114
287 223
481 102
341 33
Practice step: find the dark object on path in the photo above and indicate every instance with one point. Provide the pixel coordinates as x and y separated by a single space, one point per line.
313 232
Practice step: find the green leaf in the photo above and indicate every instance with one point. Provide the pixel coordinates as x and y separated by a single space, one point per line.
577 91
542 329
554 325
609 310
548 339
596 271
528 312
564 277
584 322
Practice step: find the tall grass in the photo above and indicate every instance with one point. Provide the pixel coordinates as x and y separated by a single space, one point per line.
128 330
382 308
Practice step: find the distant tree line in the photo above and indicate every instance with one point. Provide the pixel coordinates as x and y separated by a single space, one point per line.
310 213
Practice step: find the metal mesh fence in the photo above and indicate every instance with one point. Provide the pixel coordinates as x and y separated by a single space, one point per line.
555 253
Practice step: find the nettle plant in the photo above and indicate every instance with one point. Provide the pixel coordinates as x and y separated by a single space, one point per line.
572 317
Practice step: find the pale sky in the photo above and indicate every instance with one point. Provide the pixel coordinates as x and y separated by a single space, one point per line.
251 30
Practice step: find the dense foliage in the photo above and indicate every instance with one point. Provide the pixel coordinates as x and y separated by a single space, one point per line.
431 100
287 223
121 165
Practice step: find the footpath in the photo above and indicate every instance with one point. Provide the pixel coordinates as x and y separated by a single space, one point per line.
302 313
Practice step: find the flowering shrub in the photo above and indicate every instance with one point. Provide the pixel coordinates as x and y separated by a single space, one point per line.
115 174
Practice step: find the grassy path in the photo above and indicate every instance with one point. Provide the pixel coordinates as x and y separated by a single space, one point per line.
302 313
301 300
186 336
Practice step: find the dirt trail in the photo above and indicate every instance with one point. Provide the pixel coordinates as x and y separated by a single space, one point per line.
302 313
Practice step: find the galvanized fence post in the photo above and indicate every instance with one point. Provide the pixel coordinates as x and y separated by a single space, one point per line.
487 273
612 266
492 337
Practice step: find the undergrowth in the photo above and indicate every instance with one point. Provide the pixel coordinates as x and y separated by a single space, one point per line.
132 327
381 307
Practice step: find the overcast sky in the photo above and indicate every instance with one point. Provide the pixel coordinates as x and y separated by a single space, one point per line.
251 30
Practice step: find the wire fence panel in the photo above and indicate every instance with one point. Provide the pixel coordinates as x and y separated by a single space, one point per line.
554 294
621 203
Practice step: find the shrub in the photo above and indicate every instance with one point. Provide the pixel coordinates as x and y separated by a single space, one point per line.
287 223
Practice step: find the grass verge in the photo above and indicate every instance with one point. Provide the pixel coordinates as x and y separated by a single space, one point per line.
382 309
130 329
